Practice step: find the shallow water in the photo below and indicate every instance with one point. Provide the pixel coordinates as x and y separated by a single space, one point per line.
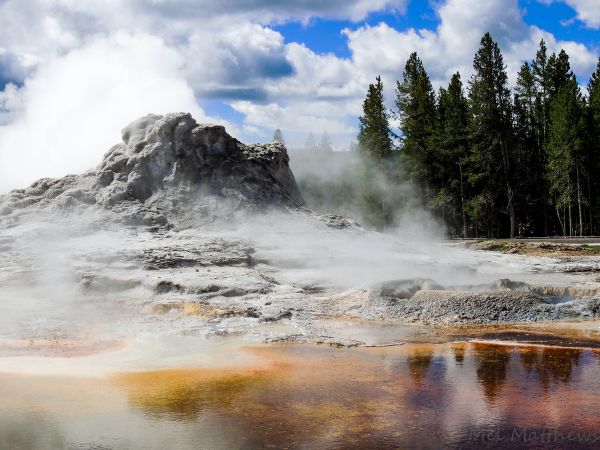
450 395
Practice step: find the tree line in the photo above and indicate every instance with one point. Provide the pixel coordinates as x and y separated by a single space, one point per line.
323 145
488 160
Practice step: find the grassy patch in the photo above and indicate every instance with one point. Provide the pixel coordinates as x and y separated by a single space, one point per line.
494 246
595 249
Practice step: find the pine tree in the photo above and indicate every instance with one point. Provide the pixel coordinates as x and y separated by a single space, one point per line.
278 136
325 144
539 67
525 96
415 100
491 133
310 144
529 157
564 95
593 141
594 107
565 155
375 144
374 137
451 140
558 72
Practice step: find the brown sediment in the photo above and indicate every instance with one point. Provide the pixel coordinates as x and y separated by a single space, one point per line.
199 309
186 308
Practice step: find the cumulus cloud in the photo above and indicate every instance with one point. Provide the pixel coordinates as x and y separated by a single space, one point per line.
226 30
301 117
235 61
70 111
451 47
588 11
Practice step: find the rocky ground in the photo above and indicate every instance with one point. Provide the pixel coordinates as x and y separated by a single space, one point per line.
553 247
183 230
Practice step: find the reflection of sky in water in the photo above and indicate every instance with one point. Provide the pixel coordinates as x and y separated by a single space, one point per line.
318 397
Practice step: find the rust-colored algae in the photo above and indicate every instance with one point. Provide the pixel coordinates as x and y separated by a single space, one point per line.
188 392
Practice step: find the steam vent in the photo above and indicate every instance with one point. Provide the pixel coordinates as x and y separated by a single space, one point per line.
169 168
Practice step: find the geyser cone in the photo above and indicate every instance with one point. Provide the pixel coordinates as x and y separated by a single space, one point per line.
162 169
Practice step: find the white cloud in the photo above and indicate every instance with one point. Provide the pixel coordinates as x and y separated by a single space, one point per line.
451 47
319 76
301 117
10 102
235 60
34 31
72 109
588 11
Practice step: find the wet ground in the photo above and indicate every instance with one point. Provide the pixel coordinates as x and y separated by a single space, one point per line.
514 387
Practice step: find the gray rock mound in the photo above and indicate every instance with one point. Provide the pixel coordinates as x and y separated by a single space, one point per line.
451 307
390 292
169 169
423 301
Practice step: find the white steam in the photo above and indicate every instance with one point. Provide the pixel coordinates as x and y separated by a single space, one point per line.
308 253
70 111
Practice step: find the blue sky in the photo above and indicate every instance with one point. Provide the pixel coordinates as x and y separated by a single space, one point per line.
561 20
325 36
77 72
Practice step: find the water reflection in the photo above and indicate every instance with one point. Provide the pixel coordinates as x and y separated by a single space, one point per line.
458 350
419 362
492 364
432 396
551 365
